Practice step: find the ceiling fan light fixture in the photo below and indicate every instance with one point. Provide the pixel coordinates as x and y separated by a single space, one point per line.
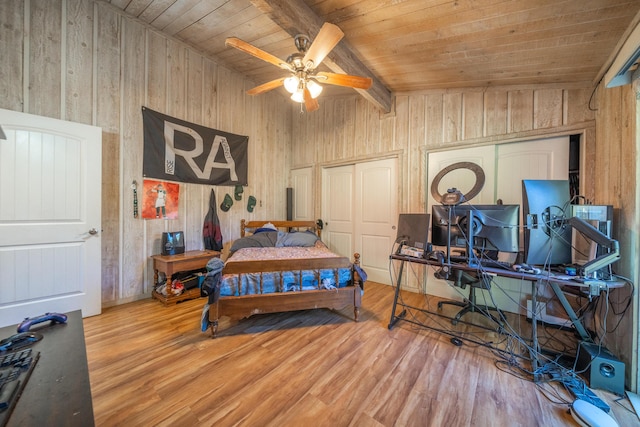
302 82
291 84
298 95
314 89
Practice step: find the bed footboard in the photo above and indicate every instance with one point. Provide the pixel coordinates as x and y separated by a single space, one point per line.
240 307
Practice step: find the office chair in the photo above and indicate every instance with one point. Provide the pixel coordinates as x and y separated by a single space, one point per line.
463 279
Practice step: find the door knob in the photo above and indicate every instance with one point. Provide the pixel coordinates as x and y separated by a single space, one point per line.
93 231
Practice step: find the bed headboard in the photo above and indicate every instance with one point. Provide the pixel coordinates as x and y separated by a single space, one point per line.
285 225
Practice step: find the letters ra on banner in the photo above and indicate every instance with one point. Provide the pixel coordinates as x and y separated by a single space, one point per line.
175 150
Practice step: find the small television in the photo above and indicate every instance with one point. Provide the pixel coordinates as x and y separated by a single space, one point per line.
413 230
546 210
494 228
172 243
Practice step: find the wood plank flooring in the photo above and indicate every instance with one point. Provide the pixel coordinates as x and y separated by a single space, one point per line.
150 365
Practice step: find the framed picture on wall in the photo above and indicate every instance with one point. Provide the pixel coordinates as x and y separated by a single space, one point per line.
160 199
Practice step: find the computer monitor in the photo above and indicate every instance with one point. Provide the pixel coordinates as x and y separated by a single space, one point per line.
413 230
546 209
495 228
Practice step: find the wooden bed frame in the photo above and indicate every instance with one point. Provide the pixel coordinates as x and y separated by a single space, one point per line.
239 307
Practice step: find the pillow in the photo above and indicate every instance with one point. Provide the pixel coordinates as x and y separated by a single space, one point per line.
296 238
262 240
265 227
262 230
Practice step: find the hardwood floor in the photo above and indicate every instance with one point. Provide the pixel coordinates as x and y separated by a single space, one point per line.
151 365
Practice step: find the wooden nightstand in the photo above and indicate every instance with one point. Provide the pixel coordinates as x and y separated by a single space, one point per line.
170 264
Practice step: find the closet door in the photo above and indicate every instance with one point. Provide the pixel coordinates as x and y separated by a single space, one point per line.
337 209
462 179
540 159
302 184
376 216
360 211
505 166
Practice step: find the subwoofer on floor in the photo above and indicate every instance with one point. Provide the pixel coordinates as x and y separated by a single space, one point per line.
603 370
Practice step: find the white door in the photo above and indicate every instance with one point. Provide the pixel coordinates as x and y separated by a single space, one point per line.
301 183
462 179
540 159
505 166
359 208
376 216
337 209
50 212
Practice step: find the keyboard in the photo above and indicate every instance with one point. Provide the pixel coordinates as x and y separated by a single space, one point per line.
491 263
15 370
18 359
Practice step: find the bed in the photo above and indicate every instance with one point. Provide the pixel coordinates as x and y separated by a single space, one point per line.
275 275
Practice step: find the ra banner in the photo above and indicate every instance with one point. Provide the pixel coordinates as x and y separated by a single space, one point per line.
160 199
176 150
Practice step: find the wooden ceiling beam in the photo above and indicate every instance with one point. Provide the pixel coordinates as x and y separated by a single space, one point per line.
295 17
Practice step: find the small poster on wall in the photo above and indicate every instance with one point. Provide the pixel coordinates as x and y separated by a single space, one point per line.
160 199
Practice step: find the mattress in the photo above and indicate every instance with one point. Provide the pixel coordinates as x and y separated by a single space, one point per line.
283 281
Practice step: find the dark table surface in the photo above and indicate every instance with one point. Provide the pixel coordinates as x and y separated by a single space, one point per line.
58 393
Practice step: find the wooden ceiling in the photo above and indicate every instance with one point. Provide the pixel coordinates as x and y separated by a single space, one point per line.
410 45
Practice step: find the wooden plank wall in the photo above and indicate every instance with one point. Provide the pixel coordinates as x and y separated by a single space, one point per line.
349 129
615 165
83 61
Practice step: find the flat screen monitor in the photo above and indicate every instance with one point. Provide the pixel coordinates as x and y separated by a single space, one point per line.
413 230
495 228
546 209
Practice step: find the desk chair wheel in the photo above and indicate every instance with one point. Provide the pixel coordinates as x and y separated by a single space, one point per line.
469 306
456 319
463 279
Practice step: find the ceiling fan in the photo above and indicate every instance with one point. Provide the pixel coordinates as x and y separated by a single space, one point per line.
303 80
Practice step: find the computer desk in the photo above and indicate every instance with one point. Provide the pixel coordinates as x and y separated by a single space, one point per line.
58 392
592 288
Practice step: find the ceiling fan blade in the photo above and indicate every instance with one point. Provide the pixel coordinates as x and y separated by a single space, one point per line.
327 39
258 53
347 80
310 104
266 87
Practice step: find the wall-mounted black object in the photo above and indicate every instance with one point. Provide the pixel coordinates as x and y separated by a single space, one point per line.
289 204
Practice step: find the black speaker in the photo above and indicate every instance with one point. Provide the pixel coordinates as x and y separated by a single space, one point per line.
603 370
289 203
